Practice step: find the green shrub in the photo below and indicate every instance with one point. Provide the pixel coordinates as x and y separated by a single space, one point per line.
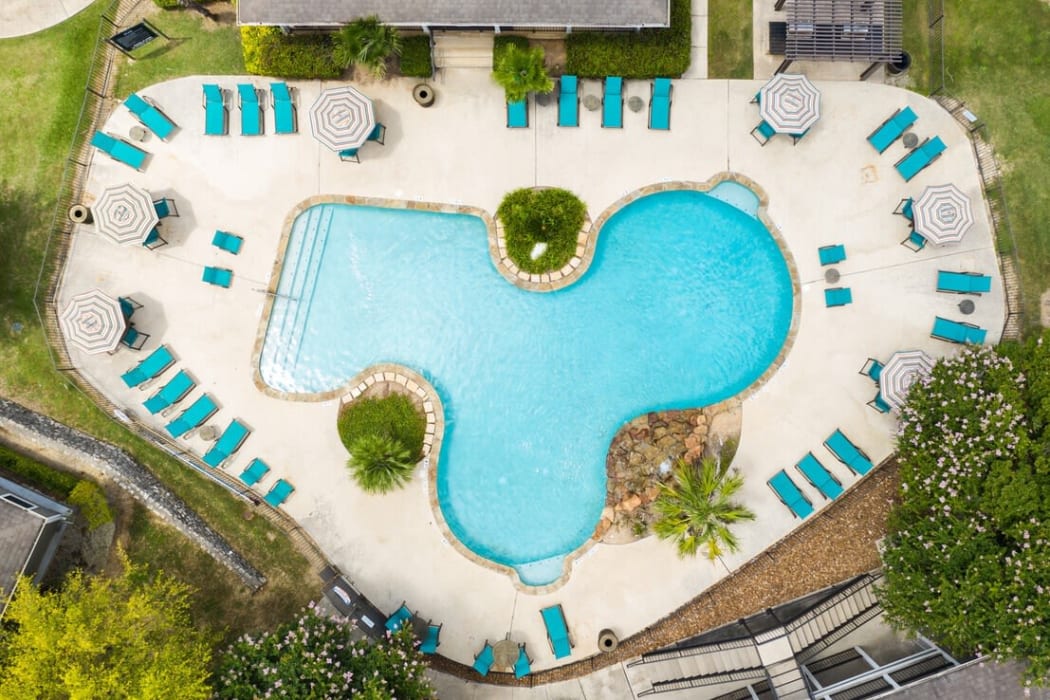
394 417
646 54
415 57
502 42
91 501
40 476
167 4
380 463
552 216
269 52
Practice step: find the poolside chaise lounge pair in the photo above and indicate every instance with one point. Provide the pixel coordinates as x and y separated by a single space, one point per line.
957 331
818 476
254 473
963 282
920 157
150 115
119 150
892 129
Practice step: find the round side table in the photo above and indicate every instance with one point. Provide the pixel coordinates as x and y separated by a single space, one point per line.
910 139
967 306
831 275
591 102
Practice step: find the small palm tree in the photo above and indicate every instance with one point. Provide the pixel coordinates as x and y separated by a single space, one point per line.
697 509
380 463
521 71
367 42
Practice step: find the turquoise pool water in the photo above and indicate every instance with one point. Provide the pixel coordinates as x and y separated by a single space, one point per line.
687 302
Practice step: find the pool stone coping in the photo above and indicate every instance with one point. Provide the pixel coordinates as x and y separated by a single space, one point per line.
432 402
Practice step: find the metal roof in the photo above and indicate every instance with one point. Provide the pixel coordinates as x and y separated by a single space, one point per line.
844 30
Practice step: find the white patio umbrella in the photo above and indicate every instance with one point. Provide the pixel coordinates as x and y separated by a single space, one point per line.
342 118
943 214
789 103
903 369
93 321
125 214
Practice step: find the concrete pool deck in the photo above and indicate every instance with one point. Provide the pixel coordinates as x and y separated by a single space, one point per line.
830 188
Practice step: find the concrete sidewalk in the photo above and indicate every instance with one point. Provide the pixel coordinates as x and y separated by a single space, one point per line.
22 17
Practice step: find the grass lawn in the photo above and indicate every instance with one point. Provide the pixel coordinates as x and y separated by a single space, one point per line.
729 40
31 164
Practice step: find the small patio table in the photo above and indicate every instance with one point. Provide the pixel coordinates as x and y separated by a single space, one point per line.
505 653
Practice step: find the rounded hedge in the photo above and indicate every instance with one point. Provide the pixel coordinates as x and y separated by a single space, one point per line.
394 417
550 215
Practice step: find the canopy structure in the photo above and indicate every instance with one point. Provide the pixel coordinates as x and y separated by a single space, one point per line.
342 118
93 321
789 103
843 30
125 214
903 369
943 214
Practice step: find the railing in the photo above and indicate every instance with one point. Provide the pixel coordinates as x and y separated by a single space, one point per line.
988 166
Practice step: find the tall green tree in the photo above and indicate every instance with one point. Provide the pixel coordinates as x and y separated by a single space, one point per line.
520 71
129 636
369 43
696 509
967 559
380 463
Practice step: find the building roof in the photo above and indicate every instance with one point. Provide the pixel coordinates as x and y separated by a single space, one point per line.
462 13
30 525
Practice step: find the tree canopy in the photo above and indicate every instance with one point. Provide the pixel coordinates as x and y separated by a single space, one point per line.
129 636
967 560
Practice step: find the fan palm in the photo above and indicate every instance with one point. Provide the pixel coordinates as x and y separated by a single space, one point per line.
380 463
520 71
696 509
367 42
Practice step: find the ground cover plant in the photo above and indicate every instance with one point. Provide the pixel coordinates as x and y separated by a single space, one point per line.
648 53
552 217
268 51
385 439
415 57
967 558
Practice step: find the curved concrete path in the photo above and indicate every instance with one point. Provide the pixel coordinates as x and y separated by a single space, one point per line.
22 17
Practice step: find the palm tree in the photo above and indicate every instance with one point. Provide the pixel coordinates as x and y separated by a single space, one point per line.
521 71
367 42
380 463
696 509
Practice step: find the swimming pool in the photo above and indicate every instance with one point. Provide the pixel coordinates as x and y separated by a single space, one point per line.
687 301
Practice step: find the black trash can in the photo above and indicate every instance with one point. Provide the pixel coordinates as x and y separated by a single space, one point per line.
902 64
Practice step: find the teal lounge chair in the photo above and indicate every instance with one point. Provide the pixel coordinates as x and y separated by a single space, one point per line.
925 153
523 666
660 104
432 641
905 208
229 442
153 366
133 338
892 129
873 369
789 494
879 404
399 618
914 242
285 119
957 331
518 114
568 101
819 477
838 296
229 242
150 116
278 493
484 659
199 411
763 132
165 207
612 103
128 307
255 471
848 453
219 276
251 110
831 254
963 282
216 116
171 393
378 134
349 155
557 631
153 240
119 150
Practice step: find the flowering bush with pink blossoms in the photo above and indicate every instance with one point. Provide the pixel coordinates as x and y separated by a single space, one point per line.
967 560
312 658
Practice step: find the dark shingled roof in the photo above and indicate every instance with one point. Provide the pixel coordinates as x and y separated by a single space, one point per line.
608 14
18 533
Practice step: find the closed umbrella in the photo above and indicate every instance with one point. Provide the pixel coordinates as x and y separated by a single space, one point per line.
903 369
943 214
789 103
125 214
93 321
342 118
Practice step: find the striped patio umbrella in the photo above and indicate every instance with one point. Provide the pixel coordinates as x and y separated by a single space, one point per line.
943 214
125 214
903 369
342 118
789 103
93 321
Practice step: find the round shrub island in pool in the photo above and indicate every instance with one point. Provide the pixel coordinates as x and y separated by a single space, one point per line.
688 301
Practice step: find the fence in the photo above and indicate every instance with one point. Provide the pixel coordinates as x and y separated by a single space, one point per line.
94 110
988 166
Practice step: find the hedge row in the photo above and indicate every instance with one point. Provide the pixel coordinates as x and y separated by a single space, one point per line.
500 44
267 51
649 53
